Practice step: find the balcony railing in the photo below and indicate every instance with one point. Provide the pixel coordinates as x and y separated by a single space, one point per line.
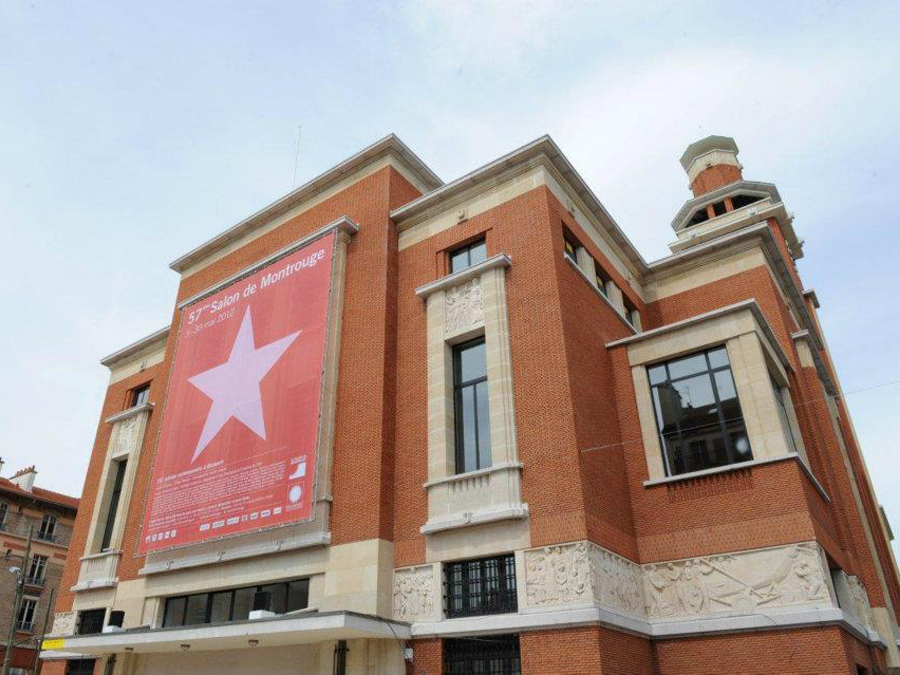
46 536
34 581
25 626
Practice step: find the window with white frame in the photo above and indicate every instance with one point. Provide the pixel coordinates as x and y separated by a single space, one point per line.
27 611
37 569
698 415
47 532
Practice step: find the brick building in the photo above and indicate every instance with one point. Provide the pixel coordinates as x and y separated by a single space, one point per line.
534 451
50 516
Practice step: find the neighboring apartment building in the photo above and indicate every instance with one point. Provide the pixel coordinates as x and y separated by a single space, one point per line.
50 516
401 426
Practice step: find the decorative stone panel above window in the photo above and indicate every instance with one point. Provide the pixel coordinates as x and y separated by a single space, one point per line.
459 307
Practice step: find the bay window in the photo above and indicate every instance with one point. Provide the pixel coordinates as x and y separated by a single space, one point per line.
698 414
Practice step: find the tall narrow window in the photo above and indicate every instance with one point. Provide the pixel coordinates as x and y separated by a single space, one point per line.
473 437
139 395
569 248
785 418
4 507
113 507
37 569
700 422
26 614
468 255
47 531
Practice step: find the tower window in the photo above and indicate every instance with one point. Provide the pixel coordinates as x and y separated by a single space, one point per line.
719 208
700 216
740 201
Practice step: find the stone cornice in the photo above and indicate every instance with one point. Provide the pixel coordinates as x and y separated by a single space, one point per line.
340 225
389 145
129 412
451 280
745 305
542 149
135 347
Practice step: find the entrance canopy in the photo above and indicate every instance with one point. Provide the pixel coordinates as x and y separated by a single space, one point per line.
268 632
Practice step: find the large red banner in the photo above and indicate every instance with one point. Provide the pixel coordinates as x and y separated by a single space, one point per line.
237 449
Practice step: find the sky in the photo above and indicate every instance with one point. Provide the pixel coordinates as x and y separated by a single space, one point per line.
131 132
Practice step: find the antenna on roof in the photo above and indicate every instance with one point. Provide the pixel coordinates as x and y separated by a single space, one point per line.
296 157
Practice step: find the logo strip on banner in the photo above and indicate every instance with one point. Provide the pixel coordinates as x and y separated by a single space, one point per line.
238 445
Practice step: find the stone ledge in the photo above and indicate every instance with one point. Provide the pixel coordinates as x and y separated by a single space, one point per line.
129 412
471 474
474 518
451 280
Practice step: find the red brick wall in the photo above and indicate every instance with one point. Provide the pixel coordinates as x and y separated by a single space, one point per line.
810 651
714 177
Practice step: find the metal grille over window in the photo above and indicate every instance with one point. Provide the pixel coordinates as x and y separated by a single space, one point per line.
487 655
470 388
91 621
483 586
698 413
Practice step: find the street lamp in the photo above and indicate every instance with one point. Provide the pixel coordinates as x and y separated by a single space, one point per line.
20 589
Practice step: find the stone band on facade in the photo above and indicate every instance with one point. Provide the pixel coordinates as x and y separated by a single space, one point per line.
582 574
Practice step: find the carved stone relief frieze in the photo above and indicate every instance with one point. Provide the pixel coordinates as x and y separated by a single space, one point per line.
463 308
861 606
744 582
63 623
414 594
126 435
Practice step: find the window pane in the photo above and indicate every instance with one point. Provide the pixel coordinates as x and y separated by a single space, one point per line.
667 403
731 407
484 425
298 595
459 260
740 443
477 253
243 603
472 361
656 374
688 365
697 405
221 607
718 358
279 597
466 435
174 612
196 609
